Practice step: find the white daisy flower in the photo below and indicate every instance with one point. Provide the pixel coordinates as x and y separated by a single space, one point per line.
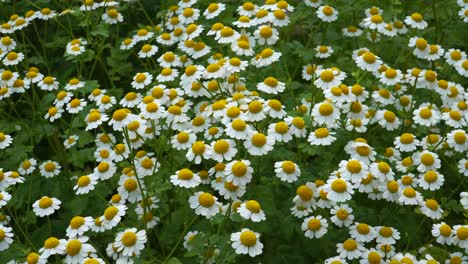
204 204
315 226
251 210
46 206
247 242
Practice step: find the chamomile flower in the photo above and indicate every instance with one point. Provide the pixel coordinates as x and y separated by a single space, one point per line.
271 86
130 188
410 196
342 215
76 105
130 242
305 195
368 61
112 16
78 225
141 79
287 171
460 236
352 31
431 180
204 204
362 232
300 211
247 242
77 249
199 151
387 235
338 190
431 208
426 161
258 144
185 178
327 14
46 206
391 76
13 58
251 210
239 129
350 249
95 118
353 170
49 169
48 83
85 184
325 113
407 142
443 233
111 217
5 140
416 21
458 140
328 78
323 51
315 226
27 166
213 10
6 237
321 137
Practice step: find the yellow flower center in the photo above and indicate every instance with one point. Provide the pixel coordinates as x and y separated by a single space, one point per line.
354 166
110 212
421 43
350 245
342 214
255 107
327 10
326 109
49 167
77 222
392 186
445 230
314 224
416 17
369 57
238 125
430 176
386 231
462 233
259 140
206 200
248 238
339 186
327 76
253 206
432 204
130 185
73 247
288 167
389 116
51 242
374 257
407 138
198 148
239 169
409 192
304 192
427 159
281 127
129 239
376 19
83 181
119 115
270 81
363 229
459 137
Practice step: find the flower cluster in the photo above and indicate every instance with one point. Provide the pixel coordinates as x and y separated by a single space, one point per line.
216 118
